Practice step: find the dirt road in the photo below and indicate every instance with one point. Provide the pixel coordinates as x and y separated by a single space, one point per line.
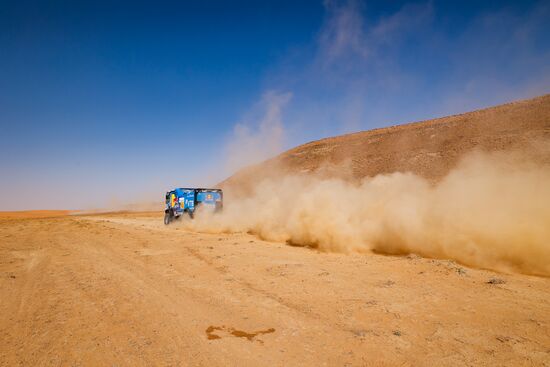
125 290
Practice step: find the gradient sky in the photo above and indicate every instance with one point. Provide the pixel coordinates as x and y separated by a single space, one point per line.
104 104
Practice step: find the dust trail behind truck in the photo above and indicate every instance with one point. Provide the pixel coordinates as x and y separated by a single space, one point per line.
187 200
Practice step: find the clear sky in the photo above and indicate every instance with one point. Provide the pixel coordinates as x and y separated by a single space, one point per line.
103 103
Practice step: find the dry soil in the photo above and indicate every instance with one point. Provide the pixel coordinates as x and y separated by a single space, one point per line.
124 290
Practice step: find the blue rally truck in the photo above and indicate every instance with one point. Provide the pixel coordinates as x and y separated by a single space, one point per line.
186 200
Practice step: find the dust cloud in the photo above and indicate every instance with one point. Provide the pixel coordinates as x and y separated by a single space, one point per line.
262 138
492 211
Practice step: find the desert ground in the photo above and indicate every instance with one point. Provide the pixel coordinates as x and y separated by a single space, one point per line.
123 289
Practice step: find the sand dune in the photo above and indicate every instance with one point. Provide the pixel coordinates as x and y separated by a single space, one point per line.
429 149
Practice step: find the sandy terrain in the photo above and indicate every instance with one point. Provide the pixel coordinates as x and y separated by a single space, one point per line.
123 289
34 214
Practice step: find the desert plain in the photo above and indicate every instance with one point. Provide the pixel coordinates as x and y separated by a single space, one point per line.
123 289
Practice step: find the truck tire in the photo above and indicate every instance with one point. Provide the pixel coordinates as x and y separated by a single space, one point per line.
191 214
167 218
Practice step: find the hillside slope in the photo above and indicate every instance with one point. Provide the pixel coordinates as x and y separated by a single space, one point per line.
429 148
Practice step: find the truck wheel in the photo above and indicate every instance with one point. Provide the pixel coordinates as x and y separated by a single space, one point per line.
191 215
167 218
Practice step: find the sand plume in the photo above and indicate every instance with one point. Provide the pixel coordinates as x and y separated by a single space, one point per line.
491 211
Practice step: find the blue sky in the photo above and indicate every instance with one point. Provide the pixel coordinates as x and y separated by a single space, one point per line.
104 103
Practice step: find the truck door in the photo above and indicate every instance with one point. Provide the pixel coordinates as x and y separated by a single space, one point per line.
189 199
